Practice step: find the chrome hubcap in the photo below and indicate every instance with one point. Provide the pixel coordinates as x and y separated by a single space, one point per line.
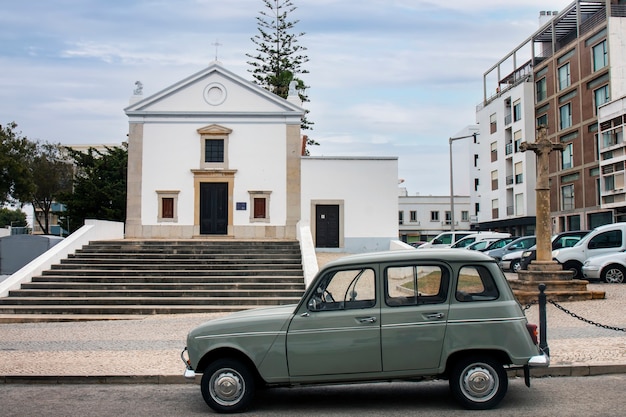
614 276
227 387
479 383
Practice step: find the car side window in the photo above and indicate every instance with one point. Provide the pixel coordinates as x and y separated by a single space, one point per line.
345 289
610 239
475 283
415 284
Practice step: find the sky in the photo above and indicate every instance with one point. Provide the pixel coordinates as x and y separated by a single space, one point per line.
386 77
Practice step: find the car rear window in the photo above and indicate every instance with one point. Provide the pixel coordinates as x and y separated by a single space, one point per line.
475 283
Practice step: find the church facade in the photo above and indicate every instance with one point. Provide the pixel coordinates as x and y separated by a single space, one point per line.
215 155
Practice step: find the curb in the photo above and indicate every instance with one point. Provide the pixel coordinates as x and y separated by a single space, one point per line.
556 371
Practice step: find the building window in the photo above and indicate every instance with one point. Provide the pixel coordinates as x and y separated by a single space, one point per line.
601 96
567 156
476 183
400 217
214 150
542 89
494 151
448 217
542 120
465 216
413 214
494 209
214 146
260 204
517 138
600 56
567 197
519 204
476 208
494 180
564 77
493 126
168 206
475 160
517 111
519 173
565 116
434 216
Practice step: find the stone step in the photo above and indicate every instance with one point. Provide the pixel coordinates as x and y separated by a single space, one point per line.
133 286
143 301
106 311
134 293
204 264
172 272
223 257
171 279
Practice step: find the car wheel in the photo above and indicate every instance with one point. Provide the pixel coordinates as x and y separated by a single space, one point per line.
516 265
478 382
613 274
227 386
574 267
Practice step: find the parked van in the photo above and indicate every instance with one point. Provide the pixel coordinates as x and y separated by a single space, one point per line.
603 239
476 237
445 239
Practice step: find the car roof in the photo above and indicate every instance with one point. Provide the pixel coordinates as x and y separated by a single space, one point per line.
445 255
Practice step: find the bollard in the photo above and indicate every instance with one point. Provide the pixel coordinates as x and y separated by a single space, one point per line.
543 325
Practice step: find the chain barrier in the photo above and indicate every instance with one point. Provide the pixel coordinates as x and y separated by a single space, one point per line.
576 316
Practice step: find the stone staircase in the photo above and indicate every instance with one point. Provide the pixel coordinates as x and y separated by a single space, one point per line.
126 277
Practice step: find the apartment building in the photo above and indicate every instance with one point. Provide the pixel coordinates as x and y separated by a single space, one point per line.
420 218
560 77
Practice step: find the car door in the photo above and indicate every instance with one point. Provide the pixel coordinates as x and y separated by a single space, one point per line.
336 331
605 242
414 316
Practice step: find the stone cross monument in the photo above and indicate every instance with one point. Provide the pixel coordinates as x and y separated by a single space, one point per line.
558 283
542 148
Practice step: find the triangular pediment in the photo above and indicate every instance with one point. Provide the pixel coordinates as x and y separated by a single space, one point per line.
213 91
215 130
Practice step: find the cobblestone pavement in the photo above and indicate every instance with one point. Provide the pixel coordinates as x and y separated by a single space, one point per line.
152 345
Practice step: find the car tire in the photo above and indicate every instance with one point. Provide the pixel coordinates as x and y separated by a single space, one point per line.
516 265
478 382
613 274
227 386
575 267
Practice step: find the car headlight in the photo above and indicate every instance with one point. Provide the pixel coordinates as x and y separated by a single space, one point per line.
555 253
526 254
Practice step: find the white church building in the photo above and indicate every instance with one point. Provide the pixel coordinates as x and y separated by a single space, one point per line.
216 156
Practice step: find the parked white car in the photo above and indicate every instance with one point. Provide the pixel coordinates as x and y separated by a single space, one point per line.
609 268
610 238
475 237
512 261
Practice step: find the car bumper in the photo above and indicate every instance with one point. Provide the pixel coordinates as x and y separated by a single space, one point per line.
189 372
539 361
592 272
505 265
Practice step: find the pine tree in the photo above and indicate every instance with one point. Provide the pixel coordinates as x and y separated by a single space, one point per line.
279 57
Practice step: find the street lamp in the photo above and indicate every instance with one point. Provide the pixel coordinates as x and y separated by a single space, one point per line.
473 135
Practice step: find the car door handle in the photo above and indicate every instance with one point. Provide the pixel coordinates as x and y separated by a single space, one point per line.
366 319
434 316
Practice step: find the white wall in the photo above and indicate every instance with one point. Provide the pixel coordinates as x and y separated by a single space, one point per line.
172 150
368 188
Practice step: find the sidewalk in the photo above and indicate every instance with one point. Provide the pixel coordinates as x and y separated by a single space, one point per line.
148 349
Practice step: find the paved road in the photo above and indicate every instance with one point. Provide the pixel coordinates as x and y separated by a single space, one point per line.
567 397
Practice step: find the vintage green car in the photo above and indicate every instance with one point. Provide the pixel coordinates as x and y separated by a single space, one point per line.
395 315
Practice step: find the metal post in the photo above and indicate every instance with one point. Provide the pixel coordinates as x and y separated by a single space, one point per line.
543 341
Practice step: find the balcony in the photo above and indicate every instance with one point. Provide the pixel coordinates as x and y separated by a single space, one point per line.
508 149
509 180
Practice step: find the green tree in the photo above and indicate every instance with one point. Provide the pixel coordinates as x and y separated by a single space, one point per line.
52 176
99 188
16 153
279 58
15 218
